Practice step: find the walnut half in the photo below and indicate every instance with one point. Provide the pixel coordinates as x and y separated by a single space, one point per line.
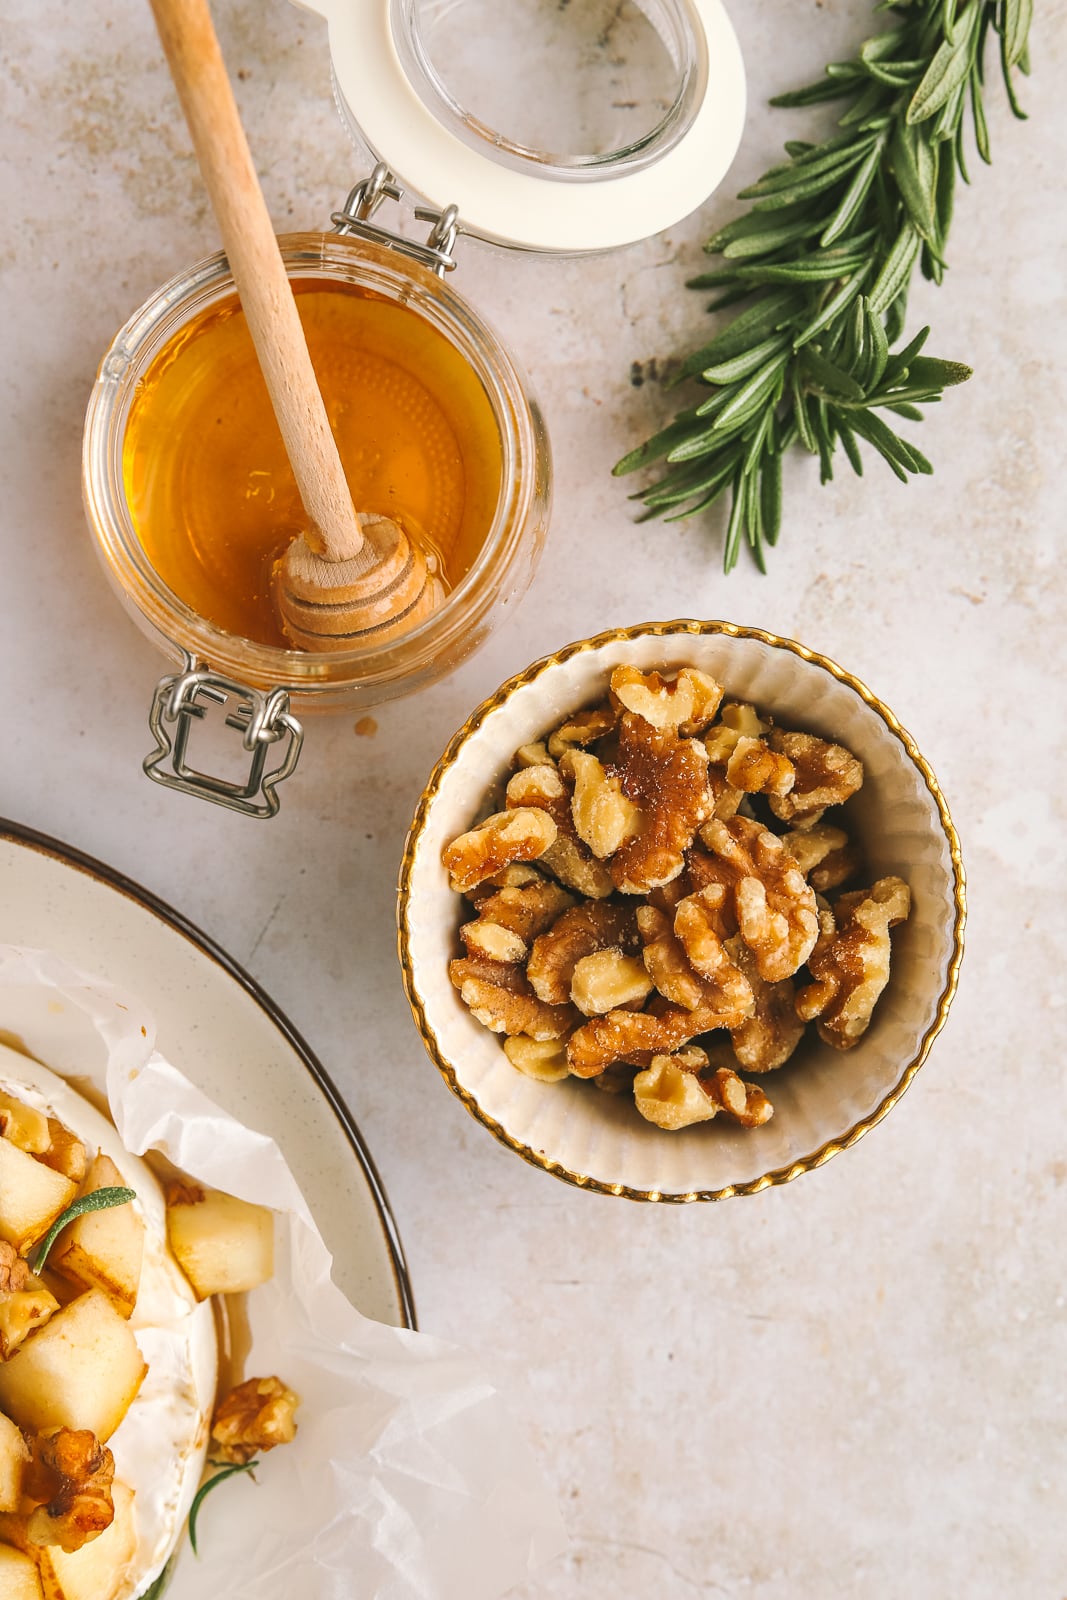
507 836
850 963
255 1416
76 1471
14 1269
669 1094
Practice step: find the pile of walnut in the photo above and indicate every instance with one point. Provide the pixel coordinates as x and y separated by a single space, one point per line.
70 1364
663 909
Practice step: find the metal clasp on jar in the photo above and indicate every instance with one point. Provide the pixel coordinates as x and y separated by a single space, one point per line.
263 721
364 201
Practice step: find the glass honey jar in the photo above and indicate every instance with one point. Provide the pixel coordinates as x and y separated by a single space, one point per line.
187 491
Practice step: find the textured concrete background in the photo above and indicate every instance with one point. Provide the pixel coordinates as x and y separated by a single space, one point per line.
852 1386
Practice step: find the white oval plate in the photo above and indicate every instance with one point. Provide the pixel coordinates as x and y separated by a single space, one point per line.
225 1034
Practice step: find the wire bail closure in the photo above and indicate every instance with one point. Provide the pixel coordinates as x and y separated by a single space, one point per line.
363 202
262 720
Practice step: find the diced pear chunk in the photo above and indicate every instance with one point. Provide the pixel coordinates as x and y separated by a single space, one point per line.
14 1454
65 1153
23 1125
18 1575
223 1245
31 1197
62 1288
100 1569
103 1249
23 1311
82 1370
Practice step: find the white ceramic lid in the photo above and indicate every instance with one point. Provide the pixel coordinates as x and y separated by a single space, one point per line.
524 198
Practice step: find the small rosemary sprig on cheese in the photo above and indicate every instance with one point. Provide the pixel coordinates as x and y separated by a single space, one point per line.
224 1470
820 266
95 1200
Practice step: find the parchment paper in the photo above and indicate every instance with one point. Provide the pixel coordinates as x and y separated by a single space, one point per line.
408 1479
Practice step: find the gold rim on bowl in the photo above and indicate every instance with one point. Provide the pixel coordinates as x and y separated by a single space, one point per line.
831 1147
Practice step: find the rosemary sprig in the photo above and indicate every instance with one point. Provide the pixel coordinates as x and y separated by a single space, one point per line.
95 1200
820 266
226 1469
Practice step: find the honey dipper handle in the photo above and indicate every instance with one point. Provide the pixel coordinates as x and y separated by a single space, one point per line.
199 73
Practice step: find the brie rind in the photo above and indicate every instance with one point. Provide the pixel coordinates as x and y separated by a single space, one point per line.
161 1443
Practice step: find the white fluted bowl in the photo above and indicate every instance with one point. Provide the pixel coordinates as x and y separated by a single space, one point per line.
824 1100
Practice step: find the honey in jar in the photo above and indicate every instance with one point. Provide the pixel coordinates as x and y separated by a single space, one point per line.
209 489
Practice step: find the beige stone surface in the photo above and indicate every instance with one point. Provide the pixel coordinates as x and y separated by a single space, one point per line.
851 1386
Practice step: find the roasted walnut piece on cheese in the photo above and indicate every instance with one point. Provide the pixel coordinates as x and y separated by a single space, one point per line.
255 1416
14 1269
662 928
77 1473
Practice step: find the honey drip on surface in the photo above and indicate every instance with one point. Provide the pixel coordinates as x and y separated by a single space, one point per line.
207 482
233 1334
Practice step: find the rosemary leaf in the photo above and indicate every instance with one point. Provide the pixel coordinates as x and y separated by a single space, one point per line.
824 377
890 444
1005 65
949 68
771 496
805 186
834 307
226 1469
981 129
824 266
915 167
948 122
848 440
764 316
659 445
741 366
1017 17
903 409
800 415
878 358
734 527
879 46
867 105
760 241
747 401
814 94
96 1200
929 372
896 269
854 197
897 365
702 504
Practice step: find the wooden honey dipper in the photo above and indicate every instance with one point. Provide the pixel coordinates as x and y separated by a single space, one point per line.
350 579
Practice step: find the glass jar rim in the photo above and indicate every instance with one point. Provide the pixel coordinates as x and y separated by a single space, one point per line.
330 257
685 46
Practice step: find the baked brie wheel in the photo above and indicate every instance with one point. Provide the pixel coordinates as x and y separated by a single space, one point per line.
107 1357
